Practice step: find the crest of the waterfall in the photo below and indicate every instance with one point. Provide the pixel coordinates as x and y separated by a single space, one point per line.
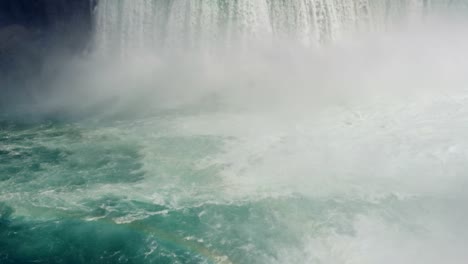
125 26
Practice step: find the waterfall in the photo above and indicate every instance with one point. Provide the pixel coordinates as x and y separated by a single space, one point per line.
126 25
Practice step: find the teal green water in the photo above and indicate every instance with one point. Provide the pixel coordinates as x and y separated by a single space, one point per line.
179 188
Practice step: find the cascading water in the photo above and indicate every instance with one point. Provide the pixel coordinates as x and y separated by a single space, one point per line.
304 140
134 24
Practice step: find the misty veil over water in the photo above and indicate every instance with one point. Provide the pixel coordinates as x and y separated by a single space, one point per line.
246 131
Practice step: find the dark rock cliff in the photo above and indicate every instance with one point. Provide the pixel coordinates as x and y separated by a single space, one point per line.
67 21
33 31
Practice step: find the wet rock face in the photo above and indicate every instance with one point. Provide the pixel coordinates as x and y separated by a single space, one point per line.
33 31
45 13
64 23
12 36
16 48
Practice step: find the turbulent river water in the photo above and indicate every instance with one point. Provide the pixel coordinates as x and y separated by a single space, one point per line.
213 187
353 152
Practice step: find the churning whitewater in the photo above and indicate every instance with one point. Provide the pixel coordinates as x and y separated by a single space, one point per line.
247 131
